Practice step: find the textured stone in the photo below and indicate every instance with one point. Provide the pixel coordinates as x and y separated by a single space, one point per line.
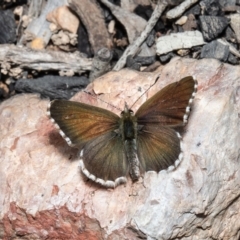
232 59
195 10
44 195
191 23
7 27
212 26
235 24
230 35
166 57
225 3
211 7
179 40
216 50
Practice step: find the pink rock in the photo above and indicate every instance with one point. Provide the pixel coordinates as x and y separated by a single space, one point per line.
43 195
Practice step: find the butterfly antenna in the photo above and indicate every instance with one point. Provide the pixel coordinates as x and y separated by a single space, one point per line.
145 91
102 100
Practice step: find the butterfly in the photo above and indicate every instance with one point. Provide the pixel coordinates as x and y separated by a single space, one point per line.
113 146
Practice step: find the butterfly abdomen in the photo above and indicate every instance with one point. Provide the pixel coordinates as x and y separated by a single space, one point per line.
131 153
128 129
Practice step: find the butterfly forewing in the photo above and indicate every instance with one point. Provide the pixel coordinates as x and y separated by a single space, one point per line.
82 122
169 105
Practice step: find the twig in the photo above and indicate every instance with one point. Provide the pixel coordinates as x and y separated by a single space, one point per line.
101 63
133 23
133 48
180 9
93 19
26 58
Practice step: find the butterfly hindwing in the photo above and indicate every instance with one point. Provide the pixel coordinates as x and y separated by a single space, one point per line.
105 160
158 147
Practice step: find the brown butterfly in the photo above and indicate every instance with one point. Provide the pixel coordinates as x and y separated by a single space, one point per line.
113 146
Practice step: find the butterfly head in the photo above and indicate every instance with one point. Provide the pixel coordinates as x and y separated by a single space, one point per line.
127 113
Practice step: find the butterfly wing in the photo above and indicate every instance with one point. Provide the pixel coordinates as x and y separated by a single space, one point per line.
170 106
95 131
79 123
159 145
104 160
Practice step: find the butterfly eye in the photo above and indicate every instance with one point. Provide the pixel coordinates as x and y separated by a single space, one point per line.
131 112
122 113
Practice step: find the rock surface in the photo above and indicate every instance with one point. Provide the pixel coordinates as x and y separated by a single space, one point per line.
212 26
43 195
176 41
215 49
7 27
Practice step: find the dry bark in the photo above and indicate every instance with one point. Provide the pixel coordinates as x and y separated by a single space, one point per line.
93 20
12 57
